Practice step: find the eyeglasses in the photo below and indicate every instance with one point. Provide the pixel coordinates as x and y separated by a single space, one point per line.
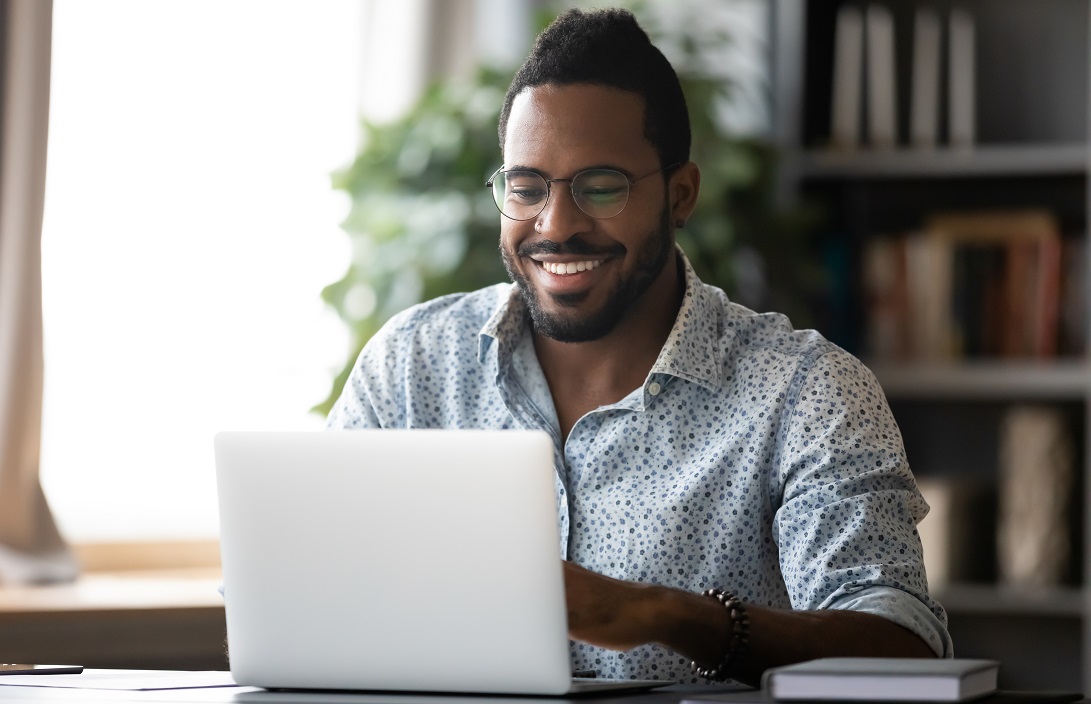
600 193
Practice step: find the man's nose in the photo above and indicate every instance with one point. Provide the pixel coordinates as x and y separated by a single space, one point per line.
562 218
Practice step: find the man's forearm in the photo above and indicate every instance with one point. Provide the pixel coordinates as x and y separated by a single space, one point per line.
620 615
699 628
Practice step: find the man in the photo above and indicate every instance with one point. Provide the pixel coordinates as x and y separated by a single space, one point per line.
699 445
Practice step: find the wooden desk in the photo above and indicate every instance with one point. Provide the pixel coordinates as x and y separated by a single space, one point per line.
137 620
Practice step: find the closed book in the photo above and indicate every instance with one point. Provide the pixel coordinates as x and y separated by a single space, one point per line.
848 85
924 103
882 100
961 80
882 679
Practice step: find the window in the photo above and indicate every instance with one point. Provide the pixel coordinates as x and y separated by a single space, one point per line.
189 228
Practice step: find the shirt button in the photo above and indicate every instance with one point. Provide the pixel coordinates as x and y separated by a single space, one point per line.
654 388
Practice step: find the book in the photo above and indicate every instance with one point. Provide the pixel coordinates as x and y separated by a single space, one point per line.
885 297
742 695
882 679
932 331
882 103
961 80
848 69
924 102
1073 308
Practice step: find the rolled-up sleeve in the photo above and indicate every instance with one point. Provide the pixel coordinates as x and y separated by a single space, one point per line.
847 524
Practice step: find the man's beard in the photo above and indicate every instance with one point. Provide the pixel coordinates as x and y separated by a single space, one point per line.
651 259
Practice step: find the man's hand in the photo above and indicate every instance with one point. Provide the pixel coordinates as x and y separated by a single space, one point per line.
608 612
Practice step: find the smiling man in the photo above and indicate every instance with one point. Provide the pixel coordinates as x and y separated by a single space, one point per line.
733 494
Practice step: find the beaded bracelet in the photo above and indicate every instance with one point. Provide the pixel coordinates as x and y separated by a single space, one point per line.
740 637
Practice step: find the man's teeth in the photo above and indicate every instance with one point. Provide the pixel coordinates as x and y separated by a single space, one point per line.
570 267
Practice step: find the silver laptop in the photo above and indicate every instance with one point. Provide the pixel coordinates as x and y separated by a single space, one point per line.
409 560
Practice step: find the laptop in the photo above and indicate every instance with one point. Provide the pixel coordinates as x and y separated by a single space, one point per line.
402 560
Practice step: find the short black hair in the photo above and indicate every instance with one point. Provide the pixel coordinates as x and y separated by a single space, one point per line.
609 48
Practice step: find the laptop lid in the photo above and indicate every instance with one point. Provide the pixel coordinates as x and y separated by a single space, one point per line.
422 560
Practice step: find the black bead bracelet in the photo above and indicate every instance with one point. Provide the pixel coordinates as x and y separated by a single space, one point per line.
740 637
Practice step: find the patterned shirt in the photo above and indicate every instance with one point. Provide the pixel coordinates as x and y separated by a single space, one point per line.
755 458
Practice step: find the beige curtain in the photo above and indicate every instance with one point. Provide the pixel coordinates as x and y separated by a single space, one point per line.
31 548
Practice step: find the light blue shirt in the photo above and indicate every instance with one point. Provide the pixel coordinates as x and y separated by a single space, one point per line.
755 458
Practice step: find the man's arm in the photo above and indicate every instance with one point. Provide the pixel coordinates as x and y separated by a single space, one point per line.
620 615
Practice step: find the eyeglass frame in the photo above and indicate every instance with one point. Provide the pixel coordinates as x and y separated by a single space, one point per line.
631 181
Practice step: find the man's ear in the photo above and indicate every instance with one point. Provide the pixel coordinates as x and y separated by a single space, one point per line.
682 189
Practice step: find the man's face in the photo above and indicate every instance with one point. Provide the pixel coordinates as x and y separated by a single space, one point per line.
559 131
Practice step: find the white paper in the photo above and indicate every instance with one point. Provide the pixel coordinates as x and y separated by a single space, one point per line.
134 680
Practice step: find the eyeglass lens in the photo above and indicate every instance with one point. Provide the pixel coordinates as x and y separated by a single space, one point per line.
522 195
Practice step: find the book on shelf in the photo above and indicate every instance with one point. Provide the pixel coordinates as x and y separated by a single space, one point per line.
1037 459
924 100
882 103
966 285
961 79
848 70
1074 296
885 291
882 679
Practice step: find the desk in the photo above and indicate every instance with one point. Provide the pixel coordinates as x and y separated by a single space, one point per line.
251 695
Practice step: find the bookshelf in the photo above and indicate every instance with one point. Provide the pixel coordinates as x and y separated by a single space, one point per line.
1032 131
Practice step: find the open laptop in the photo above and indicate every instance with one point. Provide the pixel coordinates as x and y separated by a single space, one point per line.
408 560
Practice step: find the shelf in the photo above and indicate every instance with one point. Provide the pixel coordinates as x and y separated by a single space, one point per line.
985 380
991 160
989 599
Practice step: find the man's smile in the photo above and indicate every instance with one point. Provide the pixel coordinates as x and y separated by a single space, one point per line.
567 268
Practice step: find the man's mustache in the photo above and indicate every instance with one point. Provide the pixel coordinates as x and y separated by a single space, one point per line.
573 245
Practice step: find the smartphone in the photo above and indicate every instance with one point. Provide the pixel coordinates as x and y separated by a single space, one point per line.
22 668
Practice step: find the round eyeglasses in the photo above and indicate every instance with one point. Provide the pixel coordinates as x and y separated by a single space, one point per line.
600 193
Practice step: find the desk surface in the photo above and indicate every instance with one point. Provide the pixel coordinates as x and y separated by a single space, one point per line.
10 694
252 695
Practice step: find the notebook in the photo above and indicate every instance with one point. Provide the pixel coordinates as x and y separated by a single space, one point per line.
405 560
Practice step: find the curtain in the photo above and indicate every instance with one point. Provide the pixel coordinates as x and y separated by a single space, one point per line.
31 548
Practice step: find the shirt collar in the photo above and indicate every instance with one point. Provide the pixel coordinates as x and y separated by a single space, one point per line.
504 327
692 350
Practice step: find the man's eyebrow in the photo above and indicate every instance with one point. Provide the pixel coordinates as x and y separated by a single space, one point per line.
520 167
592 167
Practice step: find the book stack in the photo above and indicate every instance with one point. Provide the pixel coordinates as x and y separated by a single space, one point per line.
966 286
864 101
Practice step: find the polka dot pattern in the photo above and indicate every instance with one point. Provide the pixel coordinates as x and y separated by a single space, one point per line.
755 458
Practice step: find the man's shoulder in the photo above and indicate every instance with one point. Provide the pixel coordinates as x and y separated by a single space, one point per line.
744 328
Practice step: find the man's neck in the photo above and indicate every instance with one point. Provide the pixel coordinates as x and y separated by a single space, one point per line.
586 375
